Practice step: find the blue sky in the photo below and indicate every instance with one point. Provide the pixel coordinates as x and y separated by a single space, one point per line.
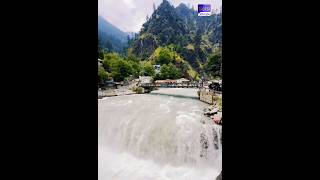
129 15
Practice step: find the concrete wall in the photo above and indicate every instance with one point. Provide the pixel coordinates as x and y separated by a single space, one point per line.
206 96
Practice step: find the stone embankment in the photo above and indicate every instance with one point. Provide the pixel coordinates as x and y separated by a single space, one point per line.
206 95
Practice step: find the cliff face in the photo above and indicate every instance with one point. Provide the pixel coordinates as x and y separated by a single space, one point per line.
145 45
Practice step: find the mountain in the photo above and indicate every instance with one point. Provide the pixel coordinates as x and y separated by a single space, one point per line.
164 27
110 37
194 37
188 16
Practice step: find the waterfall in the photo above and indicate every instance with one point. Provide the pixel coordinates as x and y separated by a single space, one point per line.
164 132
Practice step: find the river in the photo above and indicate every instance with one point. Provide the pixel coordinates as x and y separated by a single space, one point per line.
159 136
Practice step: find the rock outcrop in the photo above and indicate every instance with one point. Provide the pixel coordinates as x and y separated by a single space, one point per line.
214 112
217 118
211 110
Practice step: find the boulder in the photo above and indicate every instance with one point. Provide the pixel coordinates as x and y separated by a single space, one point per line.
211 110
217 118
215 110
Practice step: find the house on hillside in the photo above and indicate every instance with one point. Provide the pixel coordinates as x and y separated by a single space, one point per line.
100 63
157 68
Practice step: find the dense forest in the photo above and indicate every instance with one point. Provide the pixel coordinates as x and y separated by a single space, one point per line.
181 42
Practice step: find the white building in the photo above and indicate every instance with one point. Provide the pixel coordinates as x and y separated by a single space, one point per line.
157 68
99 63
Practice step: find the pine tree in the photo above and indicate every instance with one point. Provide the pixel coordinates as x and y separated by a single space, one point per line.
154 7
129 40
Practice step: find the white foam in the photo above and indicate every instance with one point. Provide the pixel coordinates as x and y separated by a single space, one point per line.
123 166
138 141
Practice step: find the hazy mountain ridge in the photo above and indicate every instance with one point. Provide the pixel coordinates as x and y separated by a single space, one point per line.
109 34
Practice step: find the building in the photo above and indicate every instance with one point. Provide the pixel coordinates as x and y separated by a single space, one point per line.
157 68
182 80
167 81
100 63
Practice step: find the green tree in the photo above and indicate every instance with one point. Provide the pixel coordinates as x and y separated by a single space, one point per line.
133 58
184 69
136 68
135 64
169 72
149 69
174 72
110 59
120 70
100 52
214 65
163 55
102 75
164 72
157 76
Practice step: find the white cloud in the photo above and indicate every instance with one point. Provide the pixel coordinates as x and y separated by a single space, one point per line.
129 3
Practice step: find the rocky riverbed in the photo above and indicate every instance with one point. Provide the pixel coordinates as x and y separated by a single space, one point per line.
214 112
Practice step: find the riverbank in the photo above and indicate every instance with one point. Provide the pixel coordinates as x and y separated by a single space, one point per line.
214 111
114 92
121 91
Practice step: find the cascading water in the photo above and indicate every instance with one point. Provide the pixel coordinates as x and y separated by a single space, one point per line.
157 137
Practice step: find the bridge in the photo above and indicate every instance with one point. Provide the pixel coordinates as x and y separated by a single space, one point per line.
170 85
